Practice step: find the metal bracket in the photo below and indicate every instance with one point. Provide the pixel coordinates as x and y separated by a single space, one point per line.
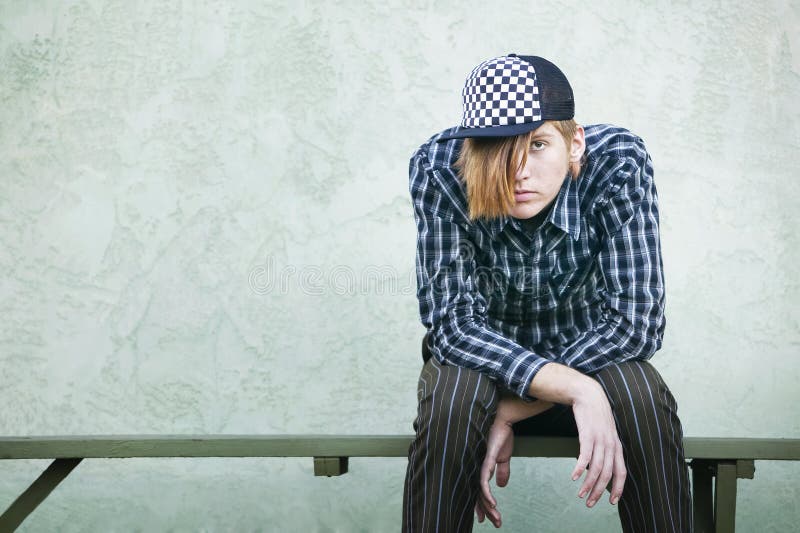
330 466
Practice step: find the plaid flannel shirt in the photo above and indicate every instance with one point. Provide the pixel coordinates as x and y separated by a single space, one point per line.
585 289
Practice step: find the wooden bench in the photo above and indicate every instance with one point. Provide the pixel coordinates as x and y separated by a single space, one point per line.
716 463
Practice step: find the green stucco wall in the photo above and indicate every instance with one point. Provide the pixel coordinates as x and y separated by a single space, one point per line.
205 228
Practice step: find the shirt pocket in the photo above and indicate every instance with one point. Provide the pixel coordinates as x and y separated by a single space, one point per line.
451 203
570 267
531 290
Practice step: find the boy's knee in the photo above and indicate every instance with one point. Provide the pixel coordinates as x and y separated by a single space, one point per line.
637 392
456 399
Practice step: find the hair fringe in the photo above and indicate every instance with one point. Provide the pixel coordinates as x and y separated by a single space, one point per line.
488 167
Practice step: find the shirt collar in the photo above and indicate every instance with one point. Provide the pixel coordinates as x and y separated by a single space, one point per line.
565 215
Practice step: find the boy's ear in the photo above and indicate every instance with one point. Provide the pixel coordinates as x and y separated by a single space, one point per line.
578 145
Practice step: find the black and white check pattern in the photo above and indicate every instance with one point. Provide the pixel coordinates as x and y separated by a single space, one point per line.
500 92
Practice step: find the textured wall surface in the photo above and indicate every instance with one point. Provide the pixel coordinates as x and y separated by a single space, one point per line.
205 228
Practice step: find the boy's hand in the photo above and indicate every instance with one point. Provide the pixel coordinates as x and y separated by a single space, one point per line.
500 445
600 447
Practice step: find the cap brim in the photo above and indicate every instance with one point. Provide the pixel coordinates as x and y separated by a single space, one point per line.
491 131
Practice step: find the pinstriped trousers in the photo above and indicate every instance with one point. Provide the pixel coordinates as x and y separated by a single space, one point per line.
457 407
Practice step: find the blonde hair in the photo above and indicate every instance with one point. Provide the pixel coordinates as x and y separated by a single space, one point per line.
488 166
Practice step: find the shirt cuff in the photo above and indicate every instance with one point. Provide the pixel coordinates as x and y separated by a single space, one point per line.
532 368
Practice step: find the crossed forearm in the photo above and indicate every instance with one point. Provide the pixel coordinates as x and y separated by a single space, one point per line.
511 409
559 383
554 383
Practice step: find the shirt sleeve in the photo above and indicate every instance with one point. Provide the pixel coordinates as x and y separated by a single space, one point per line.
632 323
451 305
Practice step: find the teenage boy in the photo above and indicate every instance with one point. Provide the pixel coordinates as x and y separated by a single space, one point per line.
539 280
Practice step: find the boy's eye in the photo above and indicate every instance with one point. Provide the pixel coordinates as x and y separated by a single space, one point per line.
537 145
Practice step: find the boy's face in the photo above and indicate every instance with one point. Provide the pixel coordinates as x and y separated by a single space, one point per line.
538 182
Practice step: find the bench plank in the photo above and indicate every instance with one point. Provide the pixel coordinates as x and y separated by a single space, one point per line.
727 459
110 446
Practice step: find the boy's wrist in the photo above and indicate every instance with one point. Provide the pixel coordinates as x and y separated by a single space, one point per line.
512 409
561 384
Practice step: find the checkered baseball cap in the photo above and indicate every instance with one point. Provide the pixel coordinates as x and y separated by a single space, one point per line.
510 95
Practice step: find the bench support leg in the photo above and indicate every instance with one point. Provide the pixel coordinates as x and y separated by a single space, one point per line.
716 513
725 497
25 504
702 506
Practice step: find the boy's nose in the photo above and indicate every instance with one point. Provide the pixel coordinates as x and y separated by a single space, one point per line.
523 172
